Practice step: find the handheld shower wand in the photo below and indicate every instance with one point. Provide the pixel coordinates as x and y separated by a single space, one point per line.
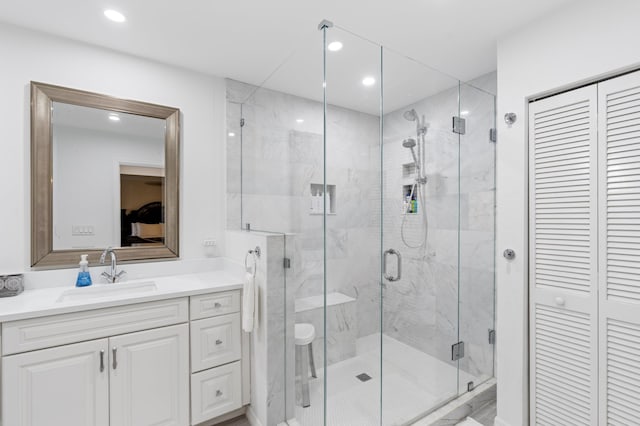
411 143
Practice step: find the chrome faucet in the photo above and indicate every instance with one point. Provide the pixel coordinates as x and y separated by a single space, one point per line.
113 275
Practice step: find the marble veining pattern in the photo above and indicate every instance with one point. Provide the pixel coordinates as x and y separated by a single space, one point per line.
447 290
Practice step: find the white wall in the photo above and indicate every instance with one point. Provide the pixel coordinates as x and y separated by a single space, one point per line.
30 56
86 182
578 43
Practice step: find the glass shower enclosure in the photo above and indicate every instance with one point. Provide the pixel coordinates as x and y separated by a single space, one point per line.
378 173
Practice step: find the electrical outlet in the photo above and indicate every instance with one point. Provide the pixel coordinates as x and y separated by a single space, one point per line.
82 230
209 243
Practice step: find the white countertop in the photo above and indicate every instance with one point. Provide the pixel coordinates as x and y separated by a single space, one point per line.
44 301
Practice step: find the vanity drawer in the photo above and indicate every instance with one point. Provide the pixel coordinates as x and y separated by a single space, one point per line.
215 392
215 341
56 330
211 305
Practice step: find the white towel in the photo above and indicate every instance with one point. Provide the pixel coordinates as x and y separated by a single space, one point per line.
249 302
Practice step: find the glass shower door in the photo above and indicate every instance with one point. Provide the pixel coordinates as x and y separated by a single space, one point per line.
391 234
420 222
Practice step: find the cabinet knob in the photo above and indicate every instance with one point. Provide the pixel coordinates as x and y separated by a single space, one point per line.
102 360
559 301
218 342
218 392
217 305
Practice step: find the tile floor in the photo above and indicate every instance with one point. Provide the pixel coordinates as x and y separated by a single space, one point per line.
413 383
485 415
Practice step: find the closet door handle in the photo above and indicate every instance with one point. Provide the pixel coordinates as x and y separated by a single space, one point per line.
399 260
102 360
114 352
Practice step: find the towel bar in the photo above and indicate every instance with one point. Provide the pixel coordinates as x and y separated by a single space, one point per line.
256 255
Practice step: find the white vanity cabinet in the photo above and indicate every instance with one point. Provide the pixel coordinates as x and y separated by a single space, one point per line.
153 363
128 380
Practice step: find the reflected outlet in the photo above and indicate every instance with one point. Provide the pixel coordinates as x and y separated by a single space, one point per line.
82 230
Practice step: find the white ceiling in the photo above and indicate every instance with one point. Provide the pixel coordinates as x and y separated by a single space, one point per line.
247 39
130 125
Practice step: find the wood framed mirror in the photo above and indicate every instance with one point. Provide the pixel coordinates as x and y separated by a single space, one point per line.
104 173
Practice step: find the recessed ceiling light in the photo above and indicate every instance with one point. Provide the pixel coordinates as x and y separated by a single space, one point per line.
114 117
114 15
368 81
231 134
464 112
334 46
299 120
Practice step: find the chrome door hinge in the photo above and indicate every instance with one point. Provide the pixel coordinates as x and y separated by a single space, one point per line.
459 125
492 337
242 122
457 351
287 263
493 135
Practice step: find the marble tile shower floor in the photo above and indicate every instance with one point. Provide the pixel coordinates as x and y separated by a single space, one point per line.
413 383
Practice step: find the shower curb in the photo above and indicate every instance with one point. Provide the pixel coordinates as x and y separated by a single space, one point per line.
460 408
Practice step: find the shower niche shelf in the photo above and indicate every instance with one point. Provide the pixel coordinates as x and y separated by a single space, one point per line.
318 209
409 171
406 189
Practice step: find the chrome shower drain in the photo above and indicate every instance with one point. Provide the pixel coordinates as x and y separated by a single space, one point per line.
363 377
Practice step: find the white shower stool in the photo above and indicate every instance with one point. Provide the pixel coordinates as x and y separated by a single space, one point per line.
304 335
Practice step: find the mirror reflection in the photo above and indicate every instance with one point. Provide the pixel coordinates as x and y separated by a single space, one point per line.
108 178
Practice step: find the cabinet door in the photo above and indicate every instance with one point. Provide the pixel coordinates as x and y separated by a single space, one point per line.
150 377
563 285
62 386
619 310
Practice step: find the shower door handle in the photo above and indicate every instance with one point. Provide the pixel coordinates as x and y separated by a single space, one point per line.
399 271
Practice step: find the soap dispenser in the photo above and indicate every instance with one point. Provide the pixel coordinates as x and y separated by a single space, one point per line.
84 278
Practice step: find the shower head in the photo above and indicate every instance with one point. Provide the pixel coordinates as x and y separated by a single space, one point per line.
409 143
411 115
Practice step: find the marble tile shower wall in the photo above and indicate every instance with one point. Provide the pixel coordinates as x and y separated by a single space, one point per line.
422 309
281 158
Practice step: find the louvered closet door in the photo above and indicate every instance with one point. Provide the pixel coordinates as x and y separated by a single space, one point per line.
619 176
563 259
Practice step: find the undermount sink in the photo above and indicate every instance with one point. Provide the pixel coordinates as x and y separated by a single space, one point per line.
101 291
